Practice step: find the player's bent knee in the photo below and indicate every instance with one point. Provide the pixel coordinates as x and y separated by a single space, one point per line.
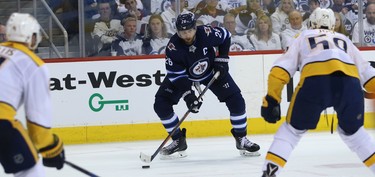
162 107
349 129
235 103
289 134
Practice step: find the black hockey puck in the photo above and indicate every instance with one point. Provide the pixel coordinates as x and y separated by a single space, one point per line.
145 166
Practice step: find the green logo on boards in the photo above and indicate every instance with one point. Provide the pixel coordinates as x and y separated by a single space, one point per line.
120 105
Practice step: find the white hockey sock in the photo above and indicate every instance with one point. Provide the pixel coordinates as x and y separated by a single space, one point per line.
362 144
285 140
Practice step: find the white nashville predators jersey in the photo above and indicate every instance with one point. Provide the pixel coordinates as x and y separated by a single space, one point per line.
24 80
322 52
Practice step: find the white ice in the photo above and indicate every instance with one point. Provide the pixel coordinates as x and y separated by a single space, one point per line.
317 155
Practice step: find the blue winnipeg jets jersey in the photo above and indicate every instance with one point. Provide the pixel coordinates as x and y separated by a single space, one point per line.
195 62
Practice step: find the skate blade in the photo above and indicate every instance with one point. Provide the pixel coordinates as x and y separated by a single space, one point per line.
249 154
176 155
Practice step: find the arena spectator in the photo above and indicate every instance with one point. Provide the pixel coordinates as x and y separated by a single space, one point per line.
142 15
3 36
156 37
169 16
234 6
313 4
279 18
128 43
350 18
301 5
239 42
246 19
339 25
121 7
196 6
368 28
106 29
324 4
296 27
263 37
268 6
113 5
211 15
133 10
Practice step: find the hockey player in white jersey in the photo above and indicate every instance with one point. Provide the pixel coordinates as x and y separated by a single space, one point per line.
333 74
24 80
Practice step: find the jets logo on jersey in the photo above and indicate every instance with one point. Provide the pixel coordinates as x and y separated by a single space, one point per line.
171 46
199 68
207 30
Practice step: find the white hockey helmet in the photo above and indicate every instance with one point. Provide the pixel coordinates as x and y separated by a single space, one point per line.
21 27
322 19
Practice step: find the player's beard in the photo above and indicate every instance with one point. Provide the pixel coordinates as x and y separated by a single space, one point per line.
189 41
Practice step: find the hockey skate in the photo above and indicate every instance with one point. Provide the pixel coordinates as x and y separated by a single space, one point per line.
245 146
271 170
176 149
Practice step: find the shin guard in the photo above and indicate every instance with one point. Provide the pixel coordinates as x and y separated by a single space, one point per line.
362 144
285 140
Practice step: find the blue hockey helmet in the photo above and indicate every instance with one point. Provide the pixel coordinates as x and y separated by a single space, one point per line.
185 21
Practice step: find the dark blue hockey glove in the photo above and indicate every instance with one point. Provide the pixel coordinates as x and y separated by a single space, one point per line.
192 101
270 110
221 64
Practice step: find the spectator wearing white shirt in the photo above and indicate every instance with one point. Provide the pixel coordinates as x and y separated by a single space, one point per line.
368 28
156 38
263 37
106 29
296 27
279 18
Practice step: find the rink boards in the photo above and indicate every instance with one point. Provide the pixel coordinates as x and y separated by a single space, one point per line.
111 99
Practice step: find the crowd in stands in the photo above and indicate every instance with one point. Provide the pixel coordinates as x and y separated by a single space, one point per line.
131 27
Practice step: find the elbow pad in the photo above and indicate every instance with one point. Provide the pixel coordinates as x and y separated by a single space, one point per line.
40 136
370 85
276 81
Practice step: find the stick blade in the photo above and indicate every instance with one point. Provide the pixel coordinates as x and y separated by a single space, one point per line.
145 158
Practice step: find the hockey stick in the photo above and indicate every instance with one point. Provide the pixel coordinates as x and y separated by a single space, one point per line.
80 169
146 158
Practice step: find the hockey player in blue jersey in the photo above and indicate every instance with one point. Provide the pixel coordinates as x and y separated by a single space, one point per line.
191 58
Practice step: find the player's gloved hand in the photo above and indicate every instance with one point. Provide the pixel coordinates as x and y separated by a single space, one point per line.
221 64
192 101
53 155
270 110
